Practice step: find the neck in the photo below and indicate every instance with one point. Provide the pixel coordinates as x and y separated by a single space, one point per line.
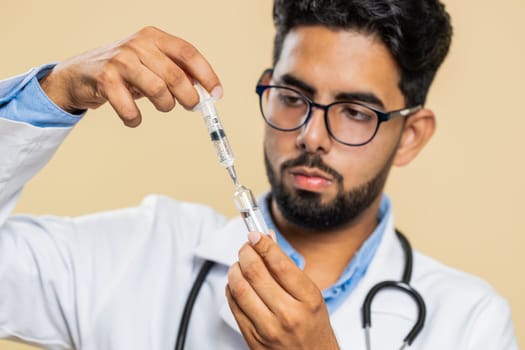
328 252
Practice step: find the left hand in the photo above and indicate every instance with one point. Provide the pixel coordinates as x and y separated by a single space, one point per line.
275 304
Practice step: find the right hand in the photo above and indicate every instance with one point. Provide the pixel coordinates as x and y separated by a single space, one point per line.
150 63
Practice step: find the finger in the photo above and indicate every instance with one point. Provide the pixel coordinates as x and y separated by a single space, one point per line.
255 325
191 61
242 320
283 269
115 91
267 288
244 294
140 78
176 80
249 331
245 325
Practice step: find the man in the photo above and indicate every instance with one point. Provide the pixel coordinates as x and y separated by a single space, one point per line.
343 102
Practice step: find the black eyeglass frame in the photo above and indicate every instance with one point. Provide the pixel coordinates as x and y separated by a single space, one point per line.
381 116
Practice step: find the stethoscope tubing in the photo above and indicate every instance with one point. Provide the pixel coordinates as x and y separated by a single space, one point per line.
403 285
405 288
186 314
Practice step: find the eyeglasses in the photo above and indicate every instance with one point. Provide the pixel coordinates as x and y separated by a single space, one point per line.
348 122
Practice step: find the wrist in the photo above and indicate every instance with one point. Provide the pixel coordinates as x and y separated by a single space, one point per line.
56 90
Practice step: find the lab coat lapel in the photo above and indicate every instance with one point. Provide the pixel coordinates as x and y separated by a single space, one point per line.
222 246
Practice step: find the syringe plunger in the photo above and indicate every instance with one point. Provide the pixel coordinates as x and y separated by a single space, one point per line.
243 196
216 131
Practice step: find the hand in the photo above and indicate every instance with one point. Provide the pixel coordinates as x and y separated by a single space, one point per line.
150 63
274 303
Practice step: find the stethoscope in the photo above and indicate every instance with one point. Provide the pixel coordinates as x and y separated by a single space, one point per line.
403 285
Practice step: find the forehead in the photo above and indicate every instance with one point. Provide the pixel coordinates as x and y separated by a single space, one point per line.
334 61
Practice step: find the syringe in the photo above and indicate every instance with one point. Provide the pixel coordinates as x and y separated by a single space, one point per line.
243 197
216 131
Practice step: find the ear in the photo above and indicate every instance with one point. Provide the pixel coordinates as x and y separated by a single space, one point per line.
418 129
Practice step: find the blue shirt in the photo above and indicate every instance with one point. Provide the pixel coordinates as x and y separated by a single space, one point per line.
22 99
354 271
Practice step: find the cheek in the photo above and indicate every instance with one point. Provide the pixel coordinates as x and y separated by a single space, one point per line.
359 165
351 163
279 146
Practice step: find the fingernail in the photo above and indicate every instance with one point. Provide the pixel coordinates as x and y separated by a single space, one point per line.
217 92
254 237
271 233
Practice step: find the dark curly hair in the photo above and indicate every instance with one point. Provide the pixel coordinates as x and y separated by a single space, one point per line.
416 32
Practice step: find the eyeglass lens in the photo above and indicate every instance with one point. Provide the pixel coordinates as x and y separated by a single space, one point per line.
350 123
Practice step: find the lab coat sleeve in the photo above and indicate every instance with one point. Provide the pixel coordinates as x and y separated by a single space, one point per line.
25 144
32 306
492 327
30 260
24 149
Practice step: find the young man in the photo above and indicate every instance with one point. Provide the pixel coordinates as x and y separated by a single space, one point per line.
343 102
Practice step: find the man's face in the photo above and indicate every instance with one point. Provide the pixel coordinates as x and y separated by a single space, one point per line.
317 182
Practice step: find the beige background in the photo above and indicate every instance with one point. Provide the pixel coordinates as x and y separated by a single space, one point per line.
461 201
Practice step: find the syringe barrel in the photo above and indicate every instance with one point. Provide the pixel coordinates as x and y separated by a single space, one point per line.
219 140
250 212
215 130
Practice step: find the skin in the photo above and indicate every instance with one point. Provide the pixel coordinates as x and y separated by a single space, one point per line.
276 305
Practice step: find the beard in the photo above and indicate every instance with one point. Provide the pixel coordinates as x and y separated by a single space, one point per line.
306 210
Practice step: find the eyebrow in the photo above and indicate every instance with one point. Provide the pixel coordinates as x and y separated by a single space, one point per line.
366 97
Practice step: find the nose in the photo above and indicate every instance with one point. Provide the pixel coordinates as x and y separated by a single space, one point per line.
314 136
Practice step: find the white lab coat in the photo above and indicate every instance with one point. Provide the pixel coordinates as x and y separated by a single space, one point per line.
118 280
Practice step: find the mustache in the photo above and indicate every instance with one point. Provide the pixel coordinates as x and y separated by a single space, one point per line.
312 161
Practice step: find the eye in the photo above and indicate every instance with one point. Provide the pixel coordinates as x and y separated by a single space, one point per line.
289 99
356 113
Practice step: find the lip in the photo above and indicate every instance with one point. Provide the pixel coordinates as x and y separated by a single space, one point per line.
310 179
311 172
